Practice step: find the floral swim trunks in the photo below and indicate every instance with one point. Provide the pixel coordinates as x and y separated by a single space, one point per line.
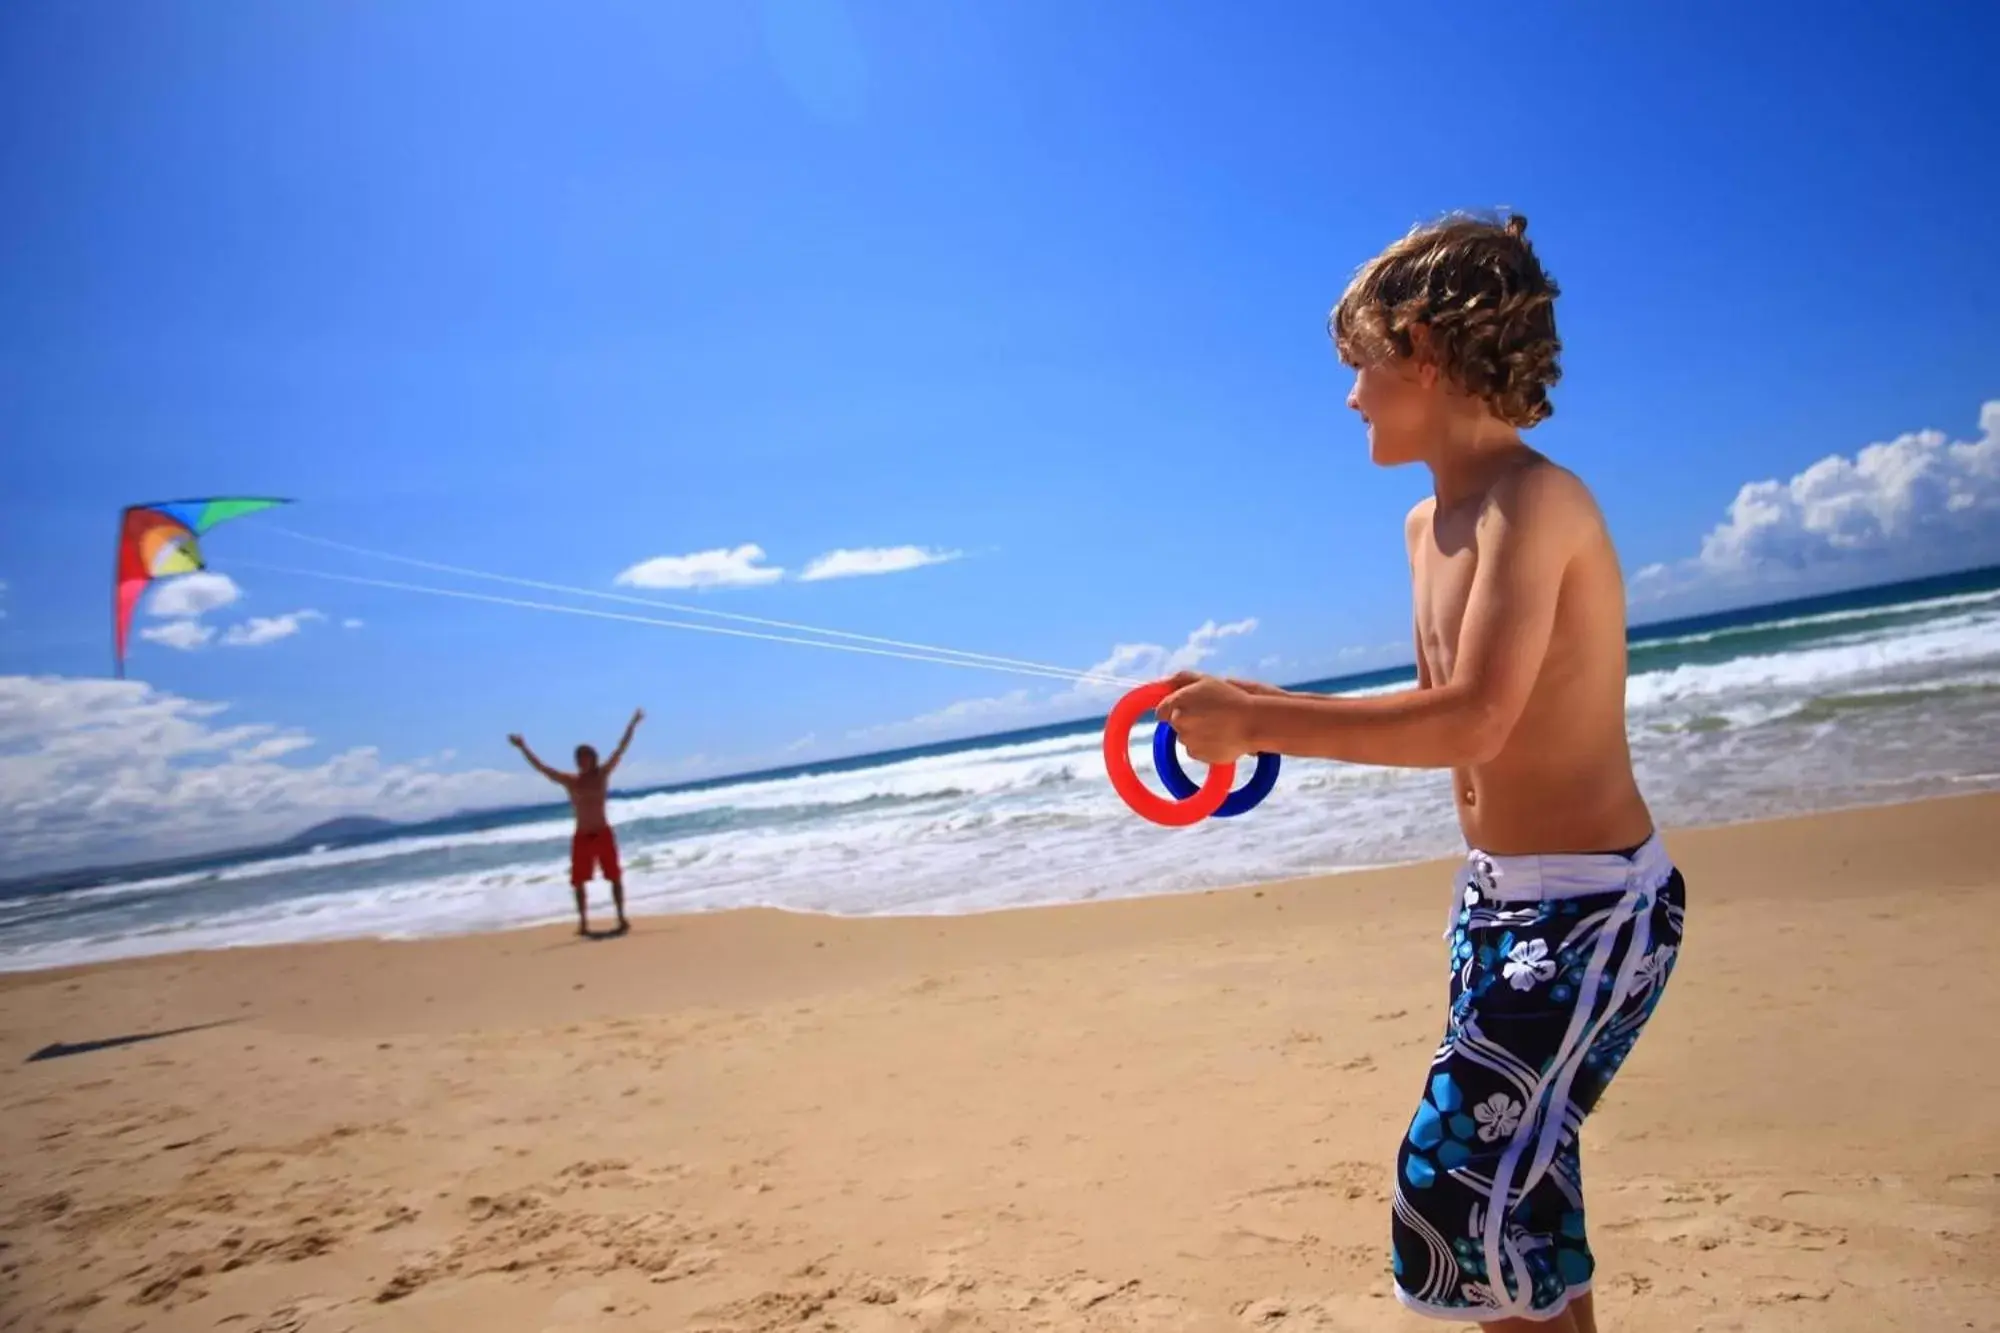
1556 964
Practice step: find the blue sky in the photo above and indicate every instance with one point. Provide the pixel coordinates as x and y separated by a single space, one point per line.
556 295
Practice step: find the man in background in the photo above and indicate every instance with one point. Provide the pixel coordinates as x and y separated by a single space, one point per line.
593 848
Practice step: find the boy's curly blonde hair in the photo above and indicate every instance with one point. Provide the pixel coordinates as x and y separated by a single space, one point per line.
1487 308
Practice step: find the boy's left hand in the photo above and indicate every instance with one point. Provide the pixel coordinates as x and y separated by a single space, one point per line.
1210 715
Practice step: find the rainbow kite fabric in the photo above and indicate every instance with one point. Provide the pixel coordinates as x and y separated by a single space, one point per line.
158 540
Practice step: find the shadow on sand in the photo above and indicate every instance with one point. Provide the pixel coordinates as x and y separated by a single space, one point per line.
57 1050
592 936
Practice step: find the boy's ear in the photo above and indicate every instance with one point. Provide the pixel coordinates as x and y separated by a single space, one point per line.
1421 359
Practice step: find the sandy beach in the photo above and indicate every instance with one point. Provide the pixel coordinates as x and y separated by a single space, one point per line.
1169 1113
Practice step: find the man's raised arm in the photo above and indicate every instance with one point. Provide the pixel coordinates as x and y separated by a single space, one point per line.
551 774
625 742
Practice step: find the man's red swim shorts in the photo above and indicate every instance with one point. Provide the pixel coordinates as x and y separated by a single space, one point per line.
597 848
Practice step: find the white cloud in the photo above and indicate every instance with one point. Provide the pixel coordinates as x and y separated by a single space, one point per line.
276 747
742 567
992 711
3 598
1028 707
267 629
186 635
189 634
745 566
1917 504
95 771
1150 661
182 602
350 623
845 564
191 595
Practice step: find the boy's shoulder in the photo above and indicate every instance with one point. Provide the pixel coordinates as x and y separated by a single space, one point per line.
1541 502
1538 489
1418 519
1540 484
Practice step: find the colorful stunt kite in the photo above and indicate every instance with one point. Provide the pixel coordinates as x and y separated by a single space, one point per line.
159 540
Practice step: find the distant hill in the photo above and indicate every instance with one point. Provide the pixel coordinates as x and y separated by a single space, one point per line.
347 828
336 830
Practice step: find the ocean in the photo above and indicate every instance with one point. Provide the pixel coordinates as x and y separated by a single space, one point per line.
1868 697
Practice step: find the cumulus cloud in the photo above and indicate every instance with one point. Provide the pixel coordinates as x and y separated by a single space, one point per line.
1028 707
992 712
1919 503
189 635
95 771
738 568
845 564
191 595
745 566
1149 661
182 602
267 629
185 635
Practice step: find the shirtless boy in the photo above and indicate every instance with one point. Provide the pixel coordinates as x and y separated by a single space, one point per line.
1565 919
593 846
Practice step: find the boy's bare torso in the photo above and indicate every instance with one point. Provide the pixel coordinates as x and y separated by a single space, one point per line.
586 798
1562 781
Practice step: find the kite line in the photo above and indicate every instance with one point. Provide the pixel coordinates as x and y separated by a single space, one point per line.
163 539
931 652
974 660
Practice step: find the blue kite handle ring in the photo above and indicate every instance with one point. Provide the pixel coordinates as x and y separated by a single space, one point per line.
1167 763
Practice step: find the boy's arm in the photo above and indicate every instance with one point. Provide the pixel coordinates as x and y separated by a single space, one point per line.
1413 527
638 716
551 774
1526 539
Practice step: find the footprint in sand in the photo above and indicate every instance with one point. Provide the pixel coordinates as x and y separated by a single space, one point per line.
1339 1180
873 1304
1790 1293
1863 1208
1707 1231
294 1316
1355 1312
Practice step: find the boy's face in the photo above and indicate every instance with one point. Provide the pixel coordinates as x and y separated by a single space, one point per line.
586 759
1398 399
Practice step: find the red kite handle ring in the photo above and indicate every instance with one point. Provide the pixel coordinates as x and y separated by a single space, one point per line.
1118 761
